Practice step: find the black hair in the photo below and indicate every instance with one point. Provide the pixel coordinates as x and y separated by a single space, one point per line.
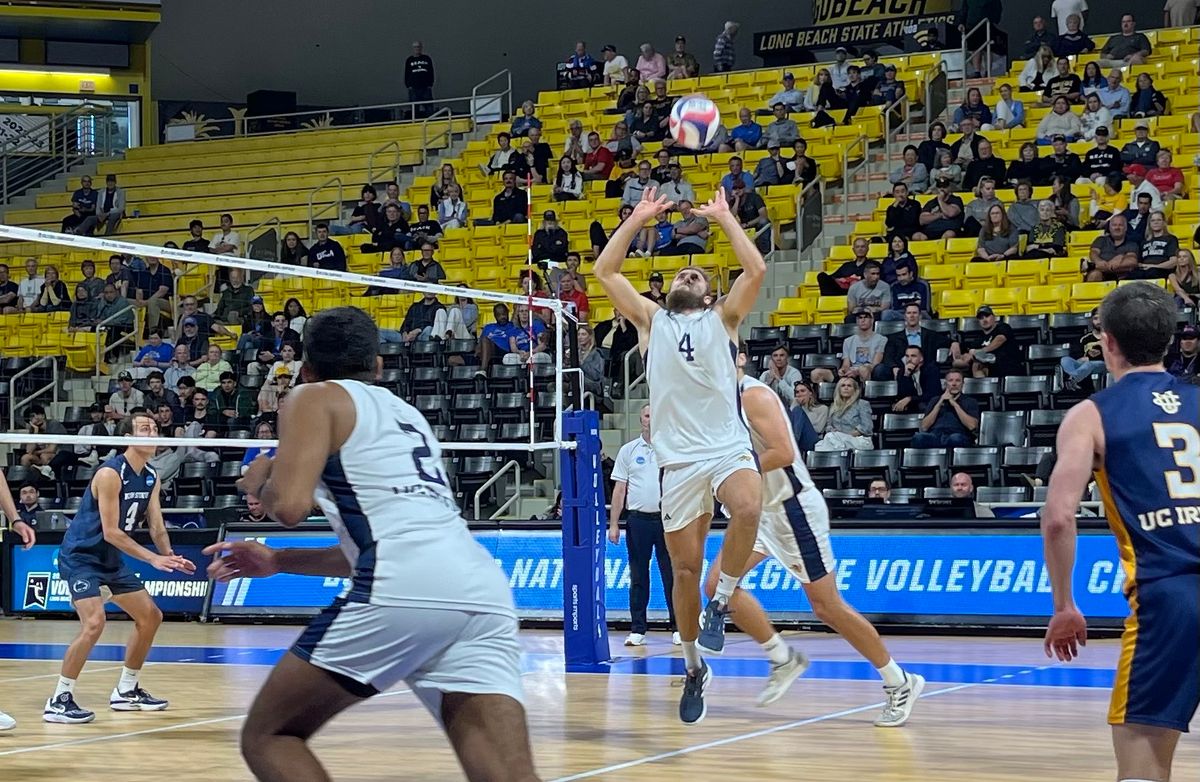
872 265
33 410
1141 318
278 314
228 376
883 478
200 390
195 223
955 370
369 189
29 485
125 428
186 380
781 346
916 348
87 262
300 307
341 343
911 304
319 226
156 374
227 215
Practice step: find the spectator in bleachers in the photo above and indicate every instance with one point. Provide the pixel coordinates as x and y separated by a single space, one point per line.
909 291
1165 177
418 79
966 148
651 65
1026 167
973 107
152 289
780 375
887 90
850 272
850 420
1009 112
196 243
280 334
862 351
441 184
1063 10
1040 37
208 372
226 241
655 293
622 141
911 172
985 165
630 97
747 134
615 66
391 195
90 454
568 181
750 209
996 354
424 230
1139 217
83 206
264 359
951 420
110 209
234 303
870 294
256 324
501 159
898 257
1093 79
83 311
1048 238
927 150
591 360
1185 281
115 309
200 419
233 404
1102 160
365 218
1060 121
1062 166
195 341
879 490
771 170
1112 256
179 366
427 268
690 232
157 393
1108 199
724 52
682 65
1114 96
736 173
1159 251
635 186
782 130
392 230
917 384
1146 100
855 95
398 268
1038 71
942 216
998 238
511 204
801 168
963 488
1179 13
1086 358
126 397
912 334
40 456
272 393
805 402
419 319
662 172
576 300
1023 213
790 96
598 161
645 126
524 123
1129 47
94 285
1143 150
542 153
1073 41
30 287
1184 360
550 241
872 70
839 72
155 354
53 296
10 293
452 209
494 338
520 348
1094 116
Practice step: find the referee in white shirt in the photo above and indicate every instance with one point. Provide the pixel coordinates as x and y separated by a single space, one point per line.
636 487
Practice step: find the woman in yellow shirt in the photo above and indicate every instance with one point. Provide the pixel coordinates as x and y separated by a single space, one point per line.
1108 200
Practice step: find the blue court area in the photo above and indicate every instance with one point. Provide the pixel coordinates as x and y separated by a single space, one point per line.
667 664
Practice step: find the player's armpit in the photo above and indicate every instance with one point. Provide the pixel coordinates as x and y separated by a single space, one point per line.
306 439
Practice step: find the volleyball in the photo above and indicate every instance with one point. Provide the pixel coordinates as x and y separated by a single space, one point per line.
694 121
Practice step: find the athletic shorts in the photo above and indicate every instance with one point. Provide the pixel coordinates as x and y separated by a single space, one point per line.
85 579
1158 677
433 650
688 489
796 534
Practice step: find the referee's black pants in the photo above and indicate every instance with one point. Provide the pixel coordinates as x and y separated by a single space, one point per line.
643 536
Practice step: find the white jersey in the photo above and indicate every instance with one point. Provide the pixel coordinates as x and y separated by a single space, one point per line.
787 482
694 406
386 495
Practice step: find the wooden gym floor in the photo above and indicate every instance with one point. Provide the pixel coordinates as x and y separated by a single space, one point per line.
994 710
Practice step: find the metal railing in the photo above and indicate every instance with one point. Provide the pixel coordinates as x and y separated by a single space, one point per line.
28 400
936 94
631 382
103 350
428 138
808 214
850 170
44 150
325 208
986 48
903 109
512 464
259 243
391 172
486 108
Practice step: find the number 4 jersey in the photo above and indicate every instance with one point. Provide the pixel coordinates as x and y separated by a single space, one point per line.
84 543
1150 478
387 497
695 408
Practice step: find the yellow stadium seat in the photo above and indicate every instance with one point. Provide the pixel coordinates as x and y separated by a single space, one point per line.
984 274
1025 274
927 252
1063 271
944 275
1005 301
792 312
1087 295
959 250
1046 299
830 309
959 304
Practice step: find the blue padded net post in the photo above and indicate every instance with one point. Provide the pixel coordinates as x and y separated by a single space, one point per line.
585 633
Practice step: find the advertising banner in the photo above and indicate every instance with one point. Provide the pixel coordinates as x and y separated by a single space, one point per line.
851 23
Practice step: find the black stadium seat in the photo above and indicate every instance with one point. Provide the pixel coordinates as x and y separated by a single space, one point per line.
898 428
828 467
982 464
924 467
865 465
1043 426
1026 393
1002 428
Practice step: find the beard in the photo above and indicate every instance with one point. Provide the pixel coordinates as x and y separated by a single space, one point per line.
679 299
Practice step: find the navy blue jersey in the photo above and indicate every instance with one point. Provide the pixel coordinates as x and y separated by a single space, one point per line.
1150 478
84 540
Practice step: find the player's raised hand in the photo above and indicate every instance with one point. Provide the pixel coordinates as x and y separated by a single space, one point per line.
716 208
173 563
256 475
1065 634
651 206
241 559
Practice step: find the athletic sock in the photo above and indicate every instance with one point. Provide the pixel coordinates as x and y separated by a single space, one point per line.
64 685
892 674
691 655
129 680
725 586
777 650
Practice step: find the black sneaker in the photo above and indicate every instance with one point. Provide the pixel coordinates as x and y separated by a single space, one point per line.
136 699
712 627
691 705
63 708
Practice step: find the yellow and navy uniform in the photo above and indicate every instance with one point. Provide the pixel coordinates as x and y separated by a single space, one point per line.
1150 482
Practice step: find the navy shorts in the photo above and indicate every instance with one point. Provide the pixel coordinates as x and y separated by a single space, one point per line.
84 579
1158 675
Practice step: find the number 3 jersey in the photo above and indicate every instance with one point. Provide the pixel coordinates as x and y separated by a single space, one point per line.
387 497
1150 478
84 541
695 409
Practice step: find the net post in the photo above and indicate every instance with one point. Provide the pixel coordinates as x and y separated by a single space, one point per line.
585 630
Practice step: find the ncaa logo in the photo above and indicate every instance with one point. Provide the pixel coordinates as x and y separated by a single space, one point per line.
149 480
37 590
640 460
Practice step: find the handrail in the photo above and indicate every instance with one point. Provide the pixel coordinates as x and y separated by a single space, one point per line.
630 384
103 350
848 172
813 188
889 133
52 147
394 168
312 194
426 139
511 464
933 108
506 94
12 386
261 227
987 45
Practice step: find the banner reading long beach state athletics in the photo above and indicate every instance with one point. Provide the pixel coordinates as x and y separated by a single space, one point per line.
855 23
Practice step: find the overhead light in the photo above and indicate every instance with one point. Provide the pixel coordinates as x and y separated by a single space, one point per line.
54 70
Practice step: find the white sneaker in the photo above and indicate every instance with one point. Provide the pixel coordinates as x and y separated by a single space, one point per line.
675 639
901 701
7 722
782 676
91 460
635 639
47 471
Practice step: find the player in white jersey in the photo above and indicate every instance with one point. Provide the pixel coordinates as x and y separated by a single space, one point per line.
795 531
701 445
28 538
426 604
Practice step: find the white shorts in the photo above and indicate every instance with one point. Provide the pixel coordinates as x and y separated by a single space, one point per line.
688 489
433 650
796 534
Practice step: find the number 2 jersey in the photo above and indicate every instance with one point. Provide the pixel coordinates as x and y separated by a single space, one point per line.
388 499
695 408
84 541
1150 478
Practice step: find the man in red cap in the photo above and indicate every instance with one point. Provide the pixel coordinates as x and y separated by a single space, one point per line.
1136 173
